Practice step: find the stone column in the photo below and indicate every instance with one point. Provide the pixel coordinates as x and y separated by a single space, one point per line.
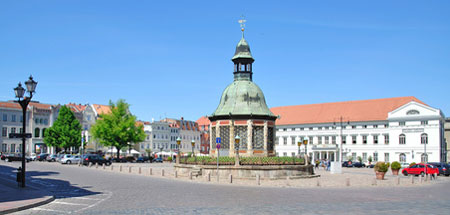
249 137
266 134
231 124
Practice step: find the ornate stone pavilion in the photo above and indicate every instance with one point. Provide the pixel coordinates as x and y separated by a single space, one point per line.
243 112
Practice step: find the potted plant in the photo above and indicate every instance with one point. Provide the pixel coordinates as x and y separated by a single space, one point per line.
380 169
395 167
370 160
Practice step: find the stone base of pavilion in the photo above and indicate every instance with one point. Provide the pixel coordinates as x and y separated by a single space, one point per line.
249 171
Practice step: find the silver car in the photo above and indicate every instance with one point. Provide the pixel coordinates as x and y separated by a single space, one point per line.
69 159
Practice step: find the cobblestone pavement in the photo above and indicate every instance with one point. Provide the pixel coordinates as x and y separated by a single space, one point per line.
82 190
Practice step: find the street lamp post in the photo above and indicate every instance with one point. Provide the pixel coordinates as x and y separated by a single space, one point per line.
193 145
305 142
237 139
178 152
24 101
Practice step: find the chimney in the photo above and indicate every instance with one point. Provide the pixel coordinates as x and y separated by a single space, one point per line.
182 118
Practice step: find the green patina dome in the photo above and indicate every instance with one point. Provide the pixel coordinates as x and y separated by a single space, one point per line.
242 50
243 98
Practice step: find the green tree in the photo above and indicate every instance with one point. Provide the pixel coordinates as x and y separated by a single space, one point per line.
118 128
65 131
359 159
149 152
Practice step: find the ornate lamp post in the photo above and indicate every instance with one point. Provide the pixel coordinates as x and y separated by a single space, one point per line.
178 152
299 143
305 142
237 139
193 145
24 101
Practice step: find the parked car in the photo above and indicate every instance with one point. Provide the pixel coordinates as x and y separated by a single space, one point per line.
51 158
15 157
359 164
404 165
420 169
59 157
372 165
95 159
444 169
69 159
143 159
33 156
347 164
42 157
158 160
119 160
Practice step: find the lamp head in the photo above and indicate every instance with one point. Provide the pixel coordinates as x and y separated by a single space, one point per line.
31 85
19 90
178 140
237 139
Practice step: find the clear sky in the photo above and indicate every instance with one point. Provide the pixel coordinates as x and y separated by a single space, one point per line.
173 58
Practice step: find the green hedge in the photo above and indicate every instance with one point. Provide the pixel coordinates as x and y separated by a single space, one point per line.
206 160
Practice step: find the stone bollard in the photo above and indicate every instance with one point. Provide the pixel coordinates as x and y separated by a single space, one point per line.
176 174
374 182
96 165
398 180
412 179
120 168
420 179
347 182
140 170
104 166
150 171
258 179
208 176
190 175
129 169
112 168
426 177
230 178
318 183
162 172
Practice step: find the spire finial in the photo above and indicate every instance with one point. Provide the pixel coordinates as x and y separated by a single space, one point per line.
242 22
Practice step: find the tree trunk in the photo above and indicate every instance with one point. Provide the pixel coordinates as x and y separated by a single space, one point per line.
118 152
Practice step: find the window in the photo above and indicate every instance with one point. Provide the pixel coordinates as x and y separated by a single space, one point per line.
37 132
13 130
424 158
41 121
412 112
278 154
327 140
285 154
301 129
386 157
364 157
375 139
20 130
386 139
344 139
13 147
320 128
424 122
319 140
386 125
13 118
375 156
45 121
4 147
284 129
424 138
4 131
326 128
5 117
43 132
353 139
402 123
364 126
293 140
293 154
353 155
402 139
311 140
353 126
333 140
402 158
284 140
375 126
364 139
21 119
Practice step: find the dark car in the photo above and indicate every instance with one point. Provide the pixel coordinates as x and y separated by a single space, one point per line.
95 159
347 164
372 165
15 157
52 158
143 159
444 169
42 157
158 160
119 160
359 164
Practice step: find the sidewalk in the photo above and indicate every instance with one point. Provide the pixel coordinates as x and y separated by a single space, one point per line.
13 198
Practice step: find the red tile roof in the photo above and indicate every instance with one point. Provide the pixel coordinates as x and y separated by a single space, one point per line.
15 105
183 124
102 109
353 111
203 121
76 107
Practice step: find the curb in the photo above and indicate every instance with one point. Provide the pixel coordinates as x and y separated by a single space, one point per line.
46 199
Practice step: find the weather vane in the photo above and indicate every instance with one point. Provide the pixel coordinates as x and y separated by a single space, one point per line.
242 22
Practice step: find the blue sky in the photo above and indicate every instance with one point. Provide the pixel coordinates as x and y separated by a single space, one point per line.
173 58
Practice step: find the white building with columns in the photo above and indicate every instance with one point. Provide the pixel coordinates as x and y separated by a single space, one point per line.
393 129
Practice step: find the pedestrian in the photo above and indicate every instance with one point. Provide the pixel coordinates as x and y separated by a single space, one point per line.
328 165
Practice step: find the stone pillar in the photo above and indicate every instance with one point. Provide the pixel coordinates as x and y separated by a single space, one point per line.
249 137
266 134
231 151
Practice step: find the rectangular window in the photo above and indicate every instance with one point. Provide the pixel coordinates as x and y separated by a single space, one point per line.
285 154
13 148
301 129
386 157
20 130
402 123
344 139
386 125
319 140
375 139
320 128
364 126
327 140
285 140
13 130
293 140
333 140
375 156
353 139
424 122
4 147
354 155
293 154
5 117
386 139
4 131
13 118
364 157
311 140
353 126
375 126
364 139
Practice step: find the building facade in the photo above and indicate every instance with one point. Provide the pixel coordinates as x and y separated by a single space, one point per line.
394 129
158 137
203 124
447 136
188 131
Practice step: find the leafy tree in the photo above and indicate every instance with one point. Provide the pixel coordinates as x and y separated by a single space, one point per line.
359 159
118 128
65 131
149 152
370 159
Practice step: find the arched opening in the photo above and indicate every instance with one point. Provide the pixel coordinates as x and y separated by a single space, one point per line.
402 158
424 158
402 139
424 138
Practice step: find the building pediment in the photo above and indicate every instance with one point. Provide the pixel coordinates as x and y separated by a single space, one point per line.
414 110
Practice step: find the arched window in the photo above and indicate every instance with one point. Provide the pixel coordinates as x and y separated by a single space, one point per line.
413 112
424 138
37 132
424 158
43 132
402 139
402 158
